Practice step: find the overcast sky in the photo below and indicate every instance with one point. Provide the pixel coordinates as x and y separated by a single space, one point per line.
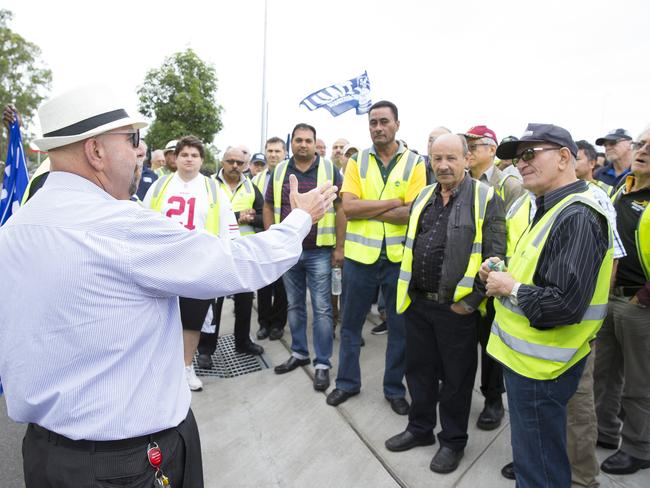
584 65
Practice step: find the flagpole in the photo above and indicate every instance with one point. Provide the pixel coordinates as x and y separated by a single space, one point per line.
264 102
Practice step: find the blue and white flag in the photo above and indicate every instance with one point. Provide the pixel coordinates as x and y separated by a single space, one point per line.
341 97
16 175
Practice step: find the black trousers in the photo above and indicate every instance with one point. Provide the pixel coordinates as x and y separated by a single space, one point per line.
53 461
491 370
441 345
272 305
243 310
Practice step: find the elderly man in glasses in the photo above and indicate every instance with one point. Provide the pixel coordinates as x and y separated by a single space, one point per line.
550 302
619 155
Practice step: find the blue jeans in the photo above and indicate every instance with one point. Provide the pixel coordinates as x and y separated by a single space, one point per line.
538 414
360 282
314 271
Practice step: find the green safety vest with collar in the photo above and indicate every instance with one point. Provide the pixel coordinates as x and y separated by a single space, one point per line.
326 228
212 217
482 196
546 354
641 234
364 237
242 199
517 220
259 179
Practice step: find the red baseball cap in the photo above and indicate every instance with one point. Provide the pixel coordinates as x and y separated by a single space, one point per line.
481 131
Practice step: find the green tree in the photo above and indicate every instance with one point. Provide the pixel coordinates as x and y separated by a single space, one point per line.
180 97
23 80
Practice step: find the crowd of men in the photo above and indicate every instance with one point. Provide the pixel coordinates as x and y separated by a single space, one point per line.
528 249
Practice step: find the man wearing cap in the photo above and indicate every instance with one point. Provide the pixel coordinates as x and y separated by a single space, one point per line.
247 203
622 374
619 156
257 164
550 301
380 184
482 145
94 365
170 160
453 225
271 299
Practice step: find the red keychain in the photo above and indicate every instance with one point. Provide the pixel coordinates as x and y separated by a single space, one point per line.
154 455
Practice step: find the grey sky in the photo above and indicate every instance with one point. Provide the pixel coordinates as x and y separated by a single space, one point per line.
580 64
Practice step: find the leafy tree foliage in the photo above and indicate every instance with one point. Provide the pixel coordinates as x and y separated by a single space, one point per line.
180 97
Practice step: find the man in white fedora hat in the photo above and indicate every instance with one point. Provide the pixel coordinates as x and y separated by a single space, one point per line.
95 365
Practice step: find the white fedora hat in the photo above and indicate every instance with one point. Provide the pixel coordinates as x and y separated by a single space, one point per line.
82 113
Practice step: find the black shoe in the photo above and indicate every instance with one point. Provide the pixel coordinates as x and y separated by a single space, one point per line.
321 379
508 471
399 405
490 417
290 364
263 333
251 349
380 329
607 445
276 334
446 460
336 397
622 463
204 361
405 441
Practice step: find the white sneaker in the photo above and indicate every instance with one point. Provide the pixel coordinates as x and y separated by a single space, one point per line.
193 382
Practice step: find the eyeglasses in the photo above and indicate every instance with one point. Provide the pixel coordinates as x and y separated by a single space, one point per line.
134 136
529 154
238 162
472 147
638 145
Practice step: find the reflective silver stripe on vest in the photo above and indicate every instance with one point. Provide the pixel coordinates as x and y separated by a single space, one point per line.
593 312
325 230
409 243
363 164
574 198
391 241
278 174
549 353
213 187
160 185
404 275
247 186
363 240
466 281
246 228
483 191
477 248
329 172
517 205
410 162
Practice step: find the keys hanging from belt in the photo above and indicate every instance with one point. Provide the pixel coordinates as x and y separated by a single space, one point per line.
154 455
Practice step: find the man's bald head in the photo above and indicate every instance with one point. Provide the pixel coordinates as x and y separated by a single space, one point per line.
157 159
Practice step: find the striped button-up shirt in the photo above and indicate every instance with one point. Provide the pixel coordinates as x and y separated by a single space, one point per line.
90 336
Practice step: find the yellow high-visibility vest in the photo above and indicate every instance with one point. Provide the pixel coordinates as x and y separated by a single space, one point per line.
242 199
212 217
259 179
546 354
482 195
326 228
364 237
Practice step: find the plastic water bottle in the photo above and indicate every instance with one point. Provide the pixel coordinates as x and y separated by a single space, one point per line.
336 281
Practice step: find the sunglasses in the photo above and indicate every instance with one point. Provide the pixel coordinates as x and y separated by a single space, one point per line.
238 162
472 147
134 136
529 154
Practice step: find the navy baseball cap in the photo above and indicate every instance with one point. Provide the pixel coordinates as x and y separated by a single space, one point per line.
258 157
538 133
613 136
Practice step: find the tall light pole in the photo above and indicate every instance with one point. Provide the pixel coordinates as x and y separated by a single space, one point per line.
265 105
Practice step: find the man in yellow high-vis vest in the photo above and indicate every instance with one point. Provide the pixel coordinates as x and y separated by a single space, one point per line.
622 373
322 250
550 302
379 185
453 225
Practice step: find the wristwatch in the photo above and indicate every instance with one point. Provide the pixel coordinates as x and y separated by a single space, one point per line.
513 294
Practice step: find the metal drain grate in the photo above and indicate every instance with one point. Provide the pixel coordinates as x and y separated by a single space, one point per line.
228 364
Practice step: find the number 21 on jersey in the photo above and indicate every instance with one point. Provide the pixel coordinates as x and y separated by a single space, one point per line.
180 210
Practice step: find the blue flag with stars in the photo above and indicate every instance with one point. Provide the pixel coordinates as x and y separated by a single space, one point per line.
341 97
16 175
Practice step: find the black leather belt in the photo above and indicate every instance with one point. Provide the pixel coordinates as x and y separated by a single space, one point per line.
426 295
625 291
97 446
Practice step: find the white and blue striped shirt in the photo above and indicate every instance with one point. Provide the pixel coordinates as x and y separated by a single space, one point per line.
90 335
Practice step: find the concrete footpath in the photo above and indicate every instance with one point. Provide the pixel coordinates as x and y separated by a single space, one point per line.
268 430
